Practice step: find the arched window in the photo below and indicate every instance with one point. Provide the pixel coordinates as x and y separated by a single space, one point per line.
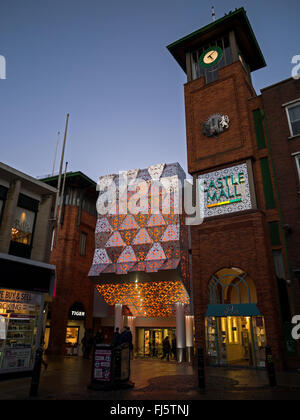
231 285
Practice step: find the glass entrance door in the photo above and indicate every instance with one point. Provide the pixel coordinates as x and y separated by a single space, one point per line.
150 341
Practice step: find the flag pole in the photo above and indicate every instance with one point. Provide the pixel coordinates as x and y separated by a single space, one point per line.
61 205
60 170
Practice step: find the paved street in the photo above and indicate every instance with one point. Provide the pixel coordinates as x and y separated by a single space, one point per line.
67 378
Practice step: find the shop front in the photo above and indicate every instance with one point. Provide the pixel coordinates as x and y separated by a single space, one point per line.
24 285
235 329
149 341
75 329
20 328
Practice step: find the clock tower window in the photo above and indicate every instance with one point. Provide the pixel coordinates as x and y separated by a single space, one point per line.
200 65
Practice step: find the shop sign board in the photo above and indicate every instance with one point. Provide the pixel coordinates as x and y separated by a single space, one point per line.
102 365
223 310
17 296
228 190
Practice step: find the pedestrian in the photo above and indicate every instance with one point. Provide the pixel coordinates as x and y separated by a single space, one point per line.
129 338
124 336
99 337
174 347
166 349
87 343
116 337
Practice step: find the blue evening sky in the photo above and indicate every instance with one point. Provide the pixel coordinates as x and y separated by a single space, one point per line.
106 64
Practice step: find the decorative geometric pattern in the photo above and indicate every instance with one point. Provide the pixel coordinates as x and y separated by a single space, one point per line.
150 299
148 241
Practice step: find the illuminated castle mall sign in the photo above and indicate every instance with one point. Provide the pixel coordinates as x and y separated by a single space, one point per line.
228 190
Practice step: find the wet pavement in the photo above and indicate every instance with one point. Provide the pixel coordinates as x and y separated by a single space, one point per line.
68 378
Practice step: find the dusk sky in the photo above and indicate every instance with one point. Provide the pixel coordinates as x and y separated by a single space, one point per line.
107 65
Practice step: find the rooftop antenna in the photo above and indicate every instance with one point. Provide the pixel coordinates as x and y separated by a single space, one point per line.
57 141
213 13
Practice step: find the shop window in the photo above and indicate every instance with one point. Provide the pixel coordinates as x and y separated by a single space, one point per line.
293 114
23 225
82 244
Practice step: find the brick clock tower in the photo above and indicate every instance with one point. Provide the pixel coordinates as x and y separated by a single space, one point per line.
241 297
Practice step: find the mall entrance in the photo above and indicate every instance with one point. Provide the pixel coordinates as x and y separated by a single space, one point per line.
149 341
234 327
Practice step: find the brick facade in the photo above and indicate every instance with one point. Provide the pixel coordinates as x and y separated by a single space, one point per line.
283 147
241 239
72 282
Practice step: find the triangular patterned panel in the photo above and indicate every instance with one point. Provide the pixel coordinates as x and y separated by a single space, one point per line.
140 266
142 219
111 268
171 219
96 269
116 220
128 235
141 251
171 233
156 220
171 249
153 266
101 238
129 223
156 253
115 240
155 171
103 225
156 232
170 264
142 238
131 175
127 256
114 252
124 268
101 257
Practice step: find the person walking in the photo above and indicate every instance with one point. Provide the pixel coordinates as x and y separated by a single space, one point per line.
99 337
116 337
174 347
87 343
166 349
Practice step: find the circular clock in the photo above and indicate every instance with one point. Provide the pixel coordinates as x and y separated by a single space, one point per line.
211 57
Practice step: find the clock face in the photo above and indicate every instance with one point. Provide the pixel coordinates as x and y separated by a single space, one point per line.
211 57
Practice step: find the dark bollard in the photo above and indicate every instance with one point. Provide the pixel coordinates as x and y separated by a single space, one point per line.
201 371
270 367
36 373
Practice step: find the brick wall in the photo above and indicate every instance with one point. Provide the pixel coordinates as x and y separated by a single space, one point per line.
288 183
73 284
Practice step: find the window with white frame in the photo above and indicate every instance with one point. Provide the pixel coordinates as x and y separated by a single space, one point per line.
293 113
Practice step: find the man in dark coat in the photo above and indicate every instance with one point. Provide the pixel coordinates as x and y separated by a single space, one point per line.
166 348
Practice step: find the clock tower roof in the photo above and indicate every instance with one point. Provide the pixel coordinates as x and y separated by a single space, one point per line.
236 21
